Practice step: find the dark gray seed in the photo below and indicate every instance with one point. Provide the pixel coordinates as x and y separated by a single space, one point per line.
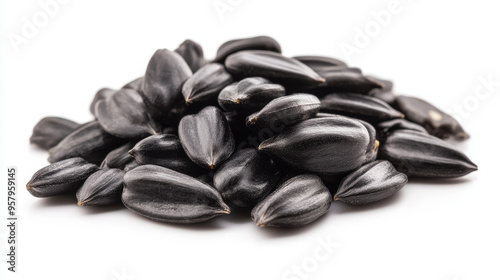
371 182
437 122
102 188
386 93
283 70
284 111
61 177
119 157
124 115
385 128
135 84
297 202
255 43
49 131
320 62
90 142
192 54
206 83
166 73
329 145
246 177
164 150
249 95
206 137
345 82
419 154
102 94
359 106
131 166
164 195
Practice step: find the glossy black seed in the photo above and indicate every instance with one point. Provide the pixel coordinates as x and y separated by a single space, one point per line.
359 106
320 63
164 150
166 73
135 84
437 122
61 177
249 95
283 70
255 43
49 131
329 145
164 195
385 128
124 115
102 94
104 187
192 53
371 182
206 137
246 177
206 83
119 158
90 142
297 202
419 154
386 93
284 111
345 82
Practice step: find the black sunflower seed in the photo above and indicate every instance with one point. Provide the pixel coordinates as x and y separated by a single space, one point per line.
206 83
385 128
344 82
255 43
135 84
297 202
61 177
317 63
104 187
206 137
164 195
102 94
49 131
119 158
192 53
371 182
386 93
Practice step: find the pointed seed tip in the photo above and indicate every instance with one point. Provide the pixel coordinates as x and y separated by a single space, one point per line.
261 224
212 166
81 203
377 144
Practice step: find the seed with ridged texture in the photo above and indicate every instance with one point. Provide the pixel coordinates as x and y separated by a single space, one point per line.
246 177
371 182
249 95
124 115
437 122
284 111
283 70
386 93
166 73
61 177
102 94
49 131
385 128
255 43
164 150
192 54
206 83
119 157
345 82
419 154
297 202
206 137
359 106
104 187
329 145
164 195
320 63
89 141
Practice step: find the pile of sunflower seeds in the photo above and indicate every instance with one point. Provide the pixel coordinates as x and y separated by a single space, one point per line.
251 130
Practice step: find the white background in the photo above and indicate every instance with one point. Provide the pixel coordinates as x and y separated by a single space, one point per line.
442 230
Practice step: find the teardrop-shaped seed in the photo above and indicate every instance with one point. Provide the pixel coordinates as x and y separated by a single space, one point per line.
386 93
164 195
246 177
135 84
437 122
164 150
330 145
345 82
206 137
166 73
297 202
419 154
320 62
124 115
102 94
255 43
119 157
359 106
49 131
192 53
284 111
273 66
385 128
371 182
60 177
89 141
249 95
104 187
206 83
